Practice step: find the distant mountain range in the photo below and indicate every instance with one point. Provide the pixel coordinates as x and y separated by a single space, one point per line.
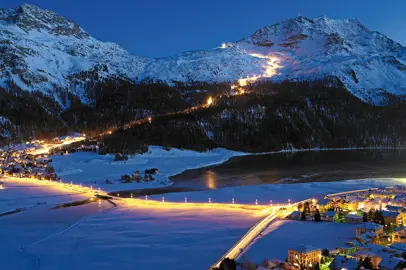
43 51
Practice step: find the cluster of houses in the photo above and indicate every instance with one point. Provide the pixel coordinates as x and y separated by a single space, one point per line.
136 176
354 208
354 253
379 240
63 150
22 164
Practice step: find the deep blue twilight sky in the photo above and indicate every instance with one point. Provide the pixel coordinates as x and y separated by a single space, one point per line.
157 28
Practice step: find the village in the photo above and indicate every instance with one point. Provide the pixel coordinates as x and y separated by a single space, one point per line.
379 239
26 163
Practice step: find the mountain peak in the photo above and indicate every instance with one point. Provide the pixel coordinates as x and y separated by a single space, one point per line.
30 17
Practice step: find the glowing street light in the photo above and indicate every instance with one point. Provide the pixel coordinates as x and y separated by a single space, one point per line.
232 201
163 199
256 201
209 200
146 197
185 200
131 195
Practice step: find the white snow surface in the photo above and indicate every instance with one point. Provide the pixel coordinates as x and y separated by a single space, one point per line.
93 169
285 234
49 49
99 237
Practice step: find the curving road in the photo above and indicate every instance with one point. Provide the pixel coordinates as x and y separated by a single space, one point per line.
255 230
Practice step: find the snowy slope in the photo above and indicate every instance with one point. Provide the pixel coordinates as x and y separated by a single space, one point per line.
43 51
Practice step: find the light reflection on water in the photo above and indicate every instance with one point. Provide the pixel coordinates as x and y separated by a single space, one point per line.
297 167
210 179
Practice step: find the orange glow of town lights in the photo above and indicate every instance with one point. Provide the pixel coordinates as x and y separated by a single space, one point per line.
209 101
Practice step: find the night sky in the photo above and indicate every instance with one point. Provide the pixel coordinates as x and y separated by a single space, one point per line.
156 28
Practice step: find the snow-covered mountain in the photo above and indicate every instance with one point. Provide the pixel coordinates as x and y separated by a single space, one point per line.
43 51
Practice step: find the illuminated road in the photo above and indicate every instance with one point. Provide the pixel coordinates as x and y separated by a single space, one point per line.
255 230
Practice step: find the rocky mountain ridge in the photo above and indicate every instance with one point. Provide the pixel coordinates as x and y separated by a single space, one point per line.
43 51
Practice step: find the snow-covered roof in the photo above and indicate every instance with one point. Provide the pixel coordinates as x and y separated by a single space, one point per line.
323 201
399 246
329 214
390 262
395 208
369 226
304 248
365 253
399 229
341 262
390 213
353 216
366 237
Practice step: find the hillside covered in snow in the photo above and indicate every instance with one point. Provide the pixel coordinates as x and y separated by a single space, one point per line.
300 83
44 51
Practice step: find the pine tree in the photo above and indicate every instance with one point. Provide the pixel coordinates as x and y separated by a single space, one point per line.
317 216
365 217
367 263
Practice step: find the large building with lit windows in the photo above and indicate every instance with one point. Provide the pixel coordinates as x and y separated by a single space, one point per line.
304 256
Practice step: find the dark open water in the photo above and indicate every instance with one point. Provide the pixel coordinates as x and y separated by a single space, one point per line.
296 167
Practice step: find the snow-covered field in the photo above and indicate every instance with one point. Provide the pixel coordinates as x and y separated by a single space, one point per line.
125 237
21 193
285 234
91 168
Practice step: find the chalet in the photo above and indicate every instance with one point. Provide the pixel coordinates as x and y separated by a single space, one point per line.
399 236
395 208
392 217
355 219
342 262
369 227
304 255
391 263
367 238
401 247
362 254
